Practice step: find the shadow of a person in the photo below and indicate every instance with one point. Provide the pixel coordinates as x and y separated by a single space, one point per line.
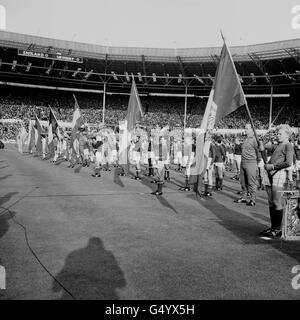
5 215
90 273
4 225
5 177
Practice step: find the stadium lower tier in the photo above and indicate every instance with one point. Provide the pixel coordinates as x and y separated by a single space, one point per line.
24 103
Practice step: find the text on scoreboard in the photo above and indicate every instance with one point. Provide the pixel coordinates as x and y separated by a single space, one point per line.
52 56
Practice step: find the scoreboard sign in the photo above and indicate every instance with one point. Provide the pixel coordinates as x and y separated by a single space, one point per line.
51 56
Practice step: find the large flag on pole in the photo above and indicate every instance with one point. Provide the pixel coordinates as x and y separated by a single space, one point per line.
77 117
225 97
134 115
38 131
134 110
76 123
21 138
53 125
32 137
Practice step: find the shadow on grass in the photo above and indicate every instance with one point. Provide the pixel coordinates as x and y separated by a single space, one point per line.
161 199
60 161
5 177
117 179
5 215
90 273
77 170
247 229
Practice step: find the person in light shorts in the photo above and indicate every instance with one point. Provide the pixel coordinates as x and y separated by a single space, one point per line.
136 149
237 157
208 175
261 170
219 162
275 176
162 160
97 145
178 154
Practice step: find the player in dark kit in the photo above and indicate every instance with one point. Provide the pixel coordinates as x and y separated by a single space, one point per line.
275 177
161 153
219 160
136 157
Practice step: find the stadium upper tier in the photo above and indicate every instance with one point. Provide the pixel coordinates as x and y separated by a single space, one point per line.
278 50
38 60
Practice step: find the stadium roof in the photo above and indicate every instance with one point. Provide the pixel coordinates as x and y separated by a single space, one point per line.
278 49
39 60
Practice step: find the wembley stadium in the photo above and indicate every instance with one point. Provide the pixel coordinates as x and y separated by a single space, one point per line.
131 173
55 69
40 61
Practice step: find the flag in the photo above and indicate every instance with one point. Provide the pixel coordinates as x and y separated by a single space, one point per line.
76 123
225 97
134 110
32 138
77 117
21 138
53 125
228 92
134 115
39 130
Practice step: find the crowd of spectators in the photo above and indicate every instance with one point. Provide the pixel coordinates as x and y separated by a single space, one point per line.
9 131
25 103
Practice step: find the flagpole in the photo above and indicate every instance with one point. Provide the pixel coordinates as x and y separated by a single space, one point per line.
185 107
104 103
271 107
76 102
277 115
53 115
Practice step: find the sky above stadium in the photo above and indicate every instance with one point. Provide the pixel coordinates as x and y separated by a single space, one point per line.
156 23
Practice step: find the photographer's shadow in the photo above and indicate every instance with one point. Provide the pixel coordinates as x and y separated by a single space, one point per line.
90 273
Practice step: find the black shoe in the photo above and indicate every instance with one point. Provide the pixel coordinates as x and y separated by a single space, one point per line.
95 175
239 192
207 194
240 200
157 193
265 232
185 189
136 178
273 233
250 203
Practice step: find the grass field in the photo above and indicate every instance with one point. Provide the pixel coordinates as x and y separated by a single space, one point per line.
109 238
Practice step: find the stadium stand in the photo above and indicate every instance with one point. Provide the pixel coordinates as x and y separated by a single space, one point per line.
30 63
